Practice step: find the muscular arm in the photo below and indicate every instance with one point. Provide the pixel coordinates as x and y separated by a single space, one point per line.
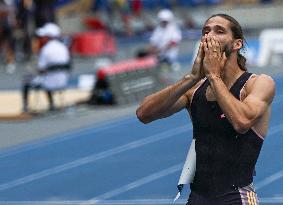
244 114
173 98
166 102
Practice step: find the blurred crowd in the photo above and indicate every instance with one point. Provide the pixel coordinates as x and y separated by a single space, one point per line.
130 17
164 23
20 18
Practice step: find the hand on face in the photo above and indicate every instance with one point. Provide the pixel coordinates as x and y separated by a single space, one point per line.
197 69
214 58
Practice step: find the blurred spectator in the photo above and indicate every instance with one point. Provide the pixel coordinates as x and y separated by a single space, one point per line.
188 21
100 5
149 4
213 1
24 17
124 10
54 63
44 12
136 7
95 23
165 39
266 1
7 27
101 94
237 2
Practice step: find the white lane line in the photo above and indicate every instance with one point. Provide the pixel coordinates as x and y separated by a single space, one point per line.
128 186
268 180
104 202
77 132
94 157
276 176
266 200
274 129
104 154
135 184
69 135
56 138
277 99
271 200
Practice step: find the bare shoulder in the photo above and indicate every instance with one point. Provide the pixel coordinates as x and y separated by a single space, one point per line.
262 79
261 84
266 79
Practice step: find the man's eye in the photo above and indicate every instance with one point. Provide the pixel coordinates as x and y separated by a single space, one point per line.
220 31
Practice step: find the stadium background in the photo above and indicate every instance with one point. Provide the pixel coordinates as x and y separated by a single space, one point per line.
102 152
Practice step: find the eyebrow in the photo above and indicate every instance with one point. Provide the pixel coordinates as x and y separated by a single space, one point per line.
216 27
220 27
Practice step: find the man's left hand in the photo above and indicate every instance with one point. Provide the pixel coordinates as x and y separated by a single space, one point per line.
214 59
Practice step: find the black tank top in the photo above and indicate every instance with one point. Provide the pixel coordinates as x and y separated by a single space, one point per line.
225 159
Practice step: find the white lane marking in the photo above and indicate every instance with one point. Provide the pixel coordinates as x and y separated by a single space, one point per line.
104 202
86 160
275 129
271 200
276 176
135 184
266 200
56 138
94 157
60 137
268 180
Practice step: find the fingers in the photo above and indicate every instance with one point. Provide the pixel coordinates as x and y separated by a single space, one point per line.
200 53
201 47
218 46
212 46
224 57
205 44
209 43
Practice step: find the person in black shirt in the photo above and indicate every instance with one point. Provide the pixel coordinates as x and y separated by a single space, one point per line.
230 111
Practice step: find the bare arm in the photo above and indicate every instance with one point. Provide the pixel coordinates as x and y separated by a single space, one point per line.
173 98
244 114
165 102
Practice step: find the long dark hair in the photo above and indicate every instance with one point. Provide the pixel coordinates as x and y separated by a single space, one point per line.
237 34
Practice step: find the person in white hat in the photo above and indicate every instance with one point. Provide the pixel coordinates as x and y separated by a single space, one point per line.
53 65
166 37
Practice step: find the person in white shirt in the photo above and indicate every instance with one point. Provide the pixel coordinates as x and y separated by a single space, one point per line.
53 65
165 38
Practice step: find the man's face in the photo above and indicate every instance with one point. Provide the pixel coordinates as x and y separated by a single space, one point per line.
220 29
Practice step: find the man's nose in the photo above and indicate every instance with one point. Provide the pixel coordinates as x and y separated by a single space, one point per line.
210 34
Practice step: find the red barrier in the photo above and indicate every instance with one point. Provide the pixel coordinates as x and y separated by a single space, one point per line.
93 23
129 65
93 44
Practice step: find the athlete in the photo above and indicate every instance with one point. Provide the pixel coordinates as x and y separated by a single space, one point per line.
166 38
54 63
230 111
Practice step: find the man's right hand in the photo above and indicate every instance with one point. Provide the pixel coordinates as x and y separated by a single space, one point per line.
197 71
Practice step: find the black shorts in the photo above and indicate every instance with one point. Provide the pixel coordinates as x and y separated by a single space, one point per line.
241 196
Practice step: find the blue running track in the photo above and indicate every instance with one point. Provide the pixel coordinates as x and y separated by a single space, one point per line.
123 162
